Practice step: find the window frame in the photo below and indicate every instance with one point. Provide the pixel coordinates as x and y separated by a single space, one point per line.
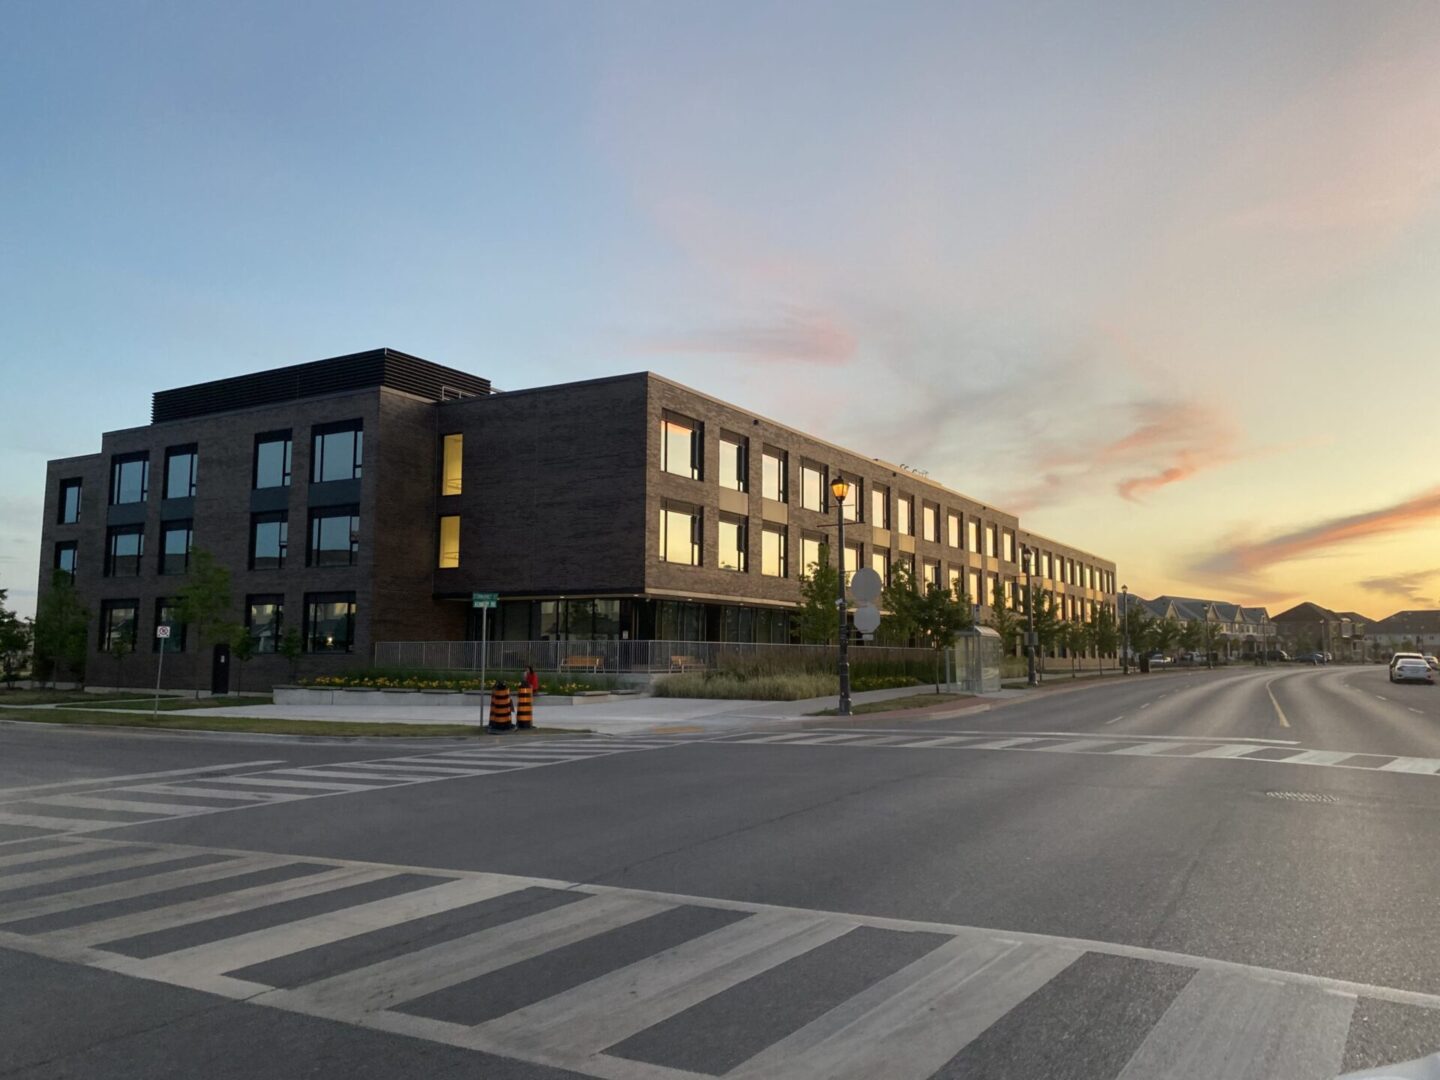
452 483
783 556
880 520
166 528
930 521
117 466
440 548
818 469
173 454
319 514
108 608
113 533
314 600
67 485
852 508
741 525
175 643
805 564
740 445
694 469
782 459
265 438
905 522
953 529
270 517
319 433
669 508
252 600
73 547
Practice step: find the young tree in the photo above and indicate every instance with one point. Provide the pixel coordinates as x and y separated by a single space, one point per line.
1004 621
1075 636
120 650
901 600
1191 636
1209 638
14 643
1047 624
1165 634
292 648
819 587
939 617
60 630
1104 633
242 650
203 603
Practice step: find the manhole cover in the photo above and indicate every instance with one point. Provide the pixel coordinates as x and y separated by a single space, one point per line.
1302 796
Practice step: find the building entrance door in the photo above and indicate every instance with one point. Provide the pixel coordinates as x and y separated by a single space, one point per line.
220 670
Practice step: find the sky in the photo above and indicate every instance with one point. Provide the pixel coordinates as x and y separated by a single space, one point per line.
1162 278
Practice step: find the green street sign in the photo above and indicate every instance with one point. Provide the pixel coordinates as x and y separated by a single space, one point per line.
484 599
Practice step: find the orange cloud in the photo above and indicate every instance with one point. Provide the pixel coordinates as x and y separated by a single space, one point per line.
1248 558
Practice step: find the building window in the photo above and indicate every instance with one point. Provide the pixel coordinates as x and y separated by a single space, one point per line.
680 445
1045 564
974 588
167 613
264 616
930 522
972 535
329 622
180 466
810 554
129 479
931 571
908 562
990 540
813 487
774 547
850 508
334 536
679 534
1086 577
269 539
1009 545
880 506
734 462
774 468
880 563
272 459
452 449
69 501
953 583
854 553
734 538
124 548
118 622
337 452
65 557
449 541
905 514
176 538
952 530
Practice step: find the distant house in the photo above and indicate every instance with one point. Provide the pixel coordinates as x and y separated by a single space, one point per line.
1240 630
1308 627
1409 631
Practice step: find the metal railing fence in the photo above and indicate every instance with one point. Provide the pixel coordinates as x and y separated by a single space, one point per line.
616 657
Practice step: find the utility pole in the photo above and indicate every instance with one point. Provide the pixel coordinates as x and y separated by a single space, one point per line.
840 487
1031 676
1125 627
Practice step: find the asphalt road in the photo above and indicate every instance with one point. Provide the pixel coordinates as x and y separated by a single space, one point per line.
1189 874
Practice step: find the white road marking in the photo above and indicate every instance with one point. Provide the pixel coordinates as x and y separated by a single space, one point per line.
129 806
1145 706
218 793
1428 766
22 793
1278 711
1416 711
1382 698
1072 734
317 786
84 869
1116 720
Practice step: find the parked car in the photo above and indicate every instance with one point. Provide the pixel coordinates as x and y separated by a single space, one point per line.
1315 658
1434 663
1159 659
1412 671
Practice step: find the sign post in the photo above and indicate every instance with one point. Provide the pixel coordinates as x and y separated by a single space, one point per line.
162 634
484 601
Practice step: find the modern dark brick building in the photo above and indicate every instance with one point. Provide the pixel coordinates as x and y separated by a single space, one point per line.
364 498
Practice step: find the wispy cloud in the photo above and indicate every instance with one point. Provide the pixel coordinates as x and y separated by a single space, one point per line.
1242 558
796 333
1408 584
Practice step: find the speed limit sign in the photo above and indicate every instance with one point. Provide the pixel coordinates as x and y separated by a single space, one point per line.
162 631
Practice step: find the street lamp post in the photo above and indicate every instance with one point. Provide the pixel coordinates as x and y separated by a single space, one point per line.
1125 628
840 487
1030 675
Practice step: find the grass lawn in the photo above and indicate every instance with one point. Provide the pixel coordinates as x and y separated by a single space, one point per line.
59 697
193 721
173 704
919 701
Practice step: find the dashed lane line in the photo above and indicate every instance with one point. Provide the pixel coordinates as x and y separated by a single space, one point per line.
1278 711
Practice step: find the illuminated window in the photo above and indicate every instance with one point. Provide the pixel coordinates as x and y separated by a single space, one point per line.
680 445
811 554
850 508
853 554
990 540
879 506
952 530
1009 545
679 534
972 535
773 552
451 451
734 463
813 489
880 563
973 587
329 622
449 541
772 475
905 515
930 521
734 537
931 571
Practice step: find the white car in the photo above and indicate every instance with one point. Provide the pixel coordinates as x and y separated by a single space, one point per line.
1408 670
1434 663
1397 657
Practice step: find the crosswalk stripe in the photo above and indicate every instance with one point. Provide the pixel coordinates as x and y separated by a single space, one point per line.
1428 766
943 740
352 994
60 851
1003 744
380 779
1224 1027
909 1024
583 1021
127 890
413 765
85 869
199 965
58 824
328 785
130 806
193 911
12 794
217 793
1229 750
1318 757
1146 749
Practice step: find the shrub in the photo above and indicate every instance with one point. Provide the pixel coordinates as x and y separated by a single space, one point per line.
415 679
793 686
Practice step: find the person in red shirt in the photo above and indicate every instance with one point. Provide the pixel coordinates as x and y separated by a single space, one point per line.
531 680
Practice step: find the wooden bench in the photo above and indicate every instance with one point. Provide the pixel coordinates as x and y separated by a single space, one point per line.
686 663
591 664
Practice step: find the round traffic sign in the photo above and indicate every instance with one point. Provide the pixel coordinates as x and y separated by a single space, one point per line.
865 585
867 618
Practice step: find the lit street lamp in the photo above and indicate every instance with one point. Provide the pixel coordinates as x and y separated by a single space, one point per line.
840 487
1125 627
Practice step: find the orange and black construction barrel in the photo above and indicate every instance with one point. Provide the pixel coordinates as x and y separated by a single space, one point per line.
500 708
524 707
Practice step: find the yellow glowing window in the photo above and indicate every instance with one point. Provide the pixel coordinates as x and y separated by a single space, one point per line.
449 541
450 468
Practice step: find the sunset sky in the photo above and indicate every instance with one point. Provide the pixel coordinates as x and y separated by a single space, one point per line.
1163 278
